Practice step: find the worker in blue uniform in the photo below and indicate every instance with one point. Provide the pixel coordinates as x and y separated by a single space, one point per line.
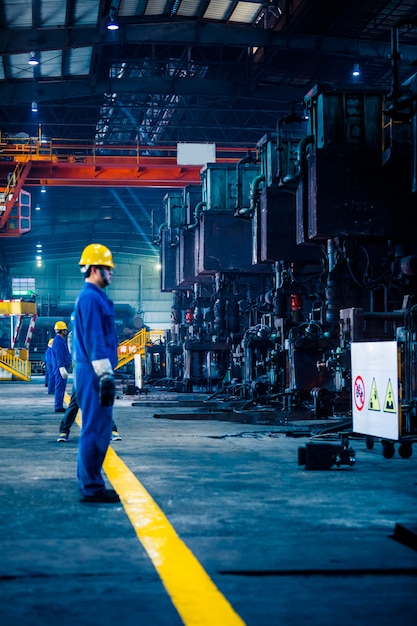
95 355
49 372
61 361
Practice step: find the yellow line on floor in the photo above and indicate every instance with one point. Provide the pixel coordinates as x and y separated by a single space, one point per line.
196 598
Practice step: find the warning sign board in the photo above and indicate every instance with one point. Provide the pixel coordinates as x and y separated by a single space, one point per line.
375 402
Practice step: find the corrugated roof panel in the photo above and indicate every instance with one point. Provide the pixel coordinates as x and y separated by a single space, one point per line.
191 8
52 13
79 60
157 7
86 12
18 13
246 12
50 65
19 67
127 8
218 9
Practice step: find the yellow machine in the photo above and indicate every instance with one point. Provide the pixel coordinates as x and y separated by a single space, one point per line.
17 319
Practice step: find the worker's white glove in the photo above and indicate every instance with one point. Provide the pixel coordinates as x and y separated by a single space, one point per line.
102 366
63 372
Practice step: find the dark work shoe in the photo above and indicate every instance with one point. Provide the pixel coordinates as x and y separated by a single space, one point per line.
107 495
60 410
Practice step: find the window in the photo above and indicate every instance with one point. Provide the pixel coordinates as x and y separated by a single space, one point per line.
23 286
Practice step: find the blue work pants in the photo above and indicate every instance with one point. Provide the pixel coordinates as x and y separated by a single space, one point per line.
95 432
50 379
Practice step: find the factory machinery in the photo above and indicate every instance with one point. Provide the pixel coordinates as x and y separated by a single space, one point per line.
294 272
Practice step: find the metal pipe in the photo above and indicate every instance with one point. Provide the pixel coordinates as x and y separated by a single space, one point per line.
290 178
288 119
247 159
197 212
253 196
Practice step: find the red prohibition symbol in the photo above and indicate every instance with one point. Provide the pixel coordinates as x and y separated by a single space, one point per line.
359 393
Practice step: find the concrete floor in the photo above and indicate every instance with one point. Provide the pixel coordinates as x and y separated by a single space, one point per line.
280 544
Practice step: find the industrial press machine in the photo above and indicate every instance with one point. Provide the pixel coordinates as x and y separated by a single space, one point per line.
293 268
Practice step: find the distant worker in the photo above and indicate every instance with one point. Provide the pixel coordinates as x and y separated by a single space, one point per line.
95 356
61 361
49 372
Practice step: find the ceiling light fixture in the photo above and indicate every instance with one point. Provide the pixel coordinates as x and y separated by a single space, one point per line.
111 23
33 59
34 107
37 207
356 71
43 189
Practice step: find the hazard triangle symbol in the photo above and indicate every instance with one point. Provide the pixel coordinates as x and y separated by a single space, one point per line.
389 404
373 404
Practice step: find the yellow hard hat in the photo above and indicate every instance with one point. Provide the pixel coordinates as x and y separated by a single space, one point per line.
96 254
60 326
50 342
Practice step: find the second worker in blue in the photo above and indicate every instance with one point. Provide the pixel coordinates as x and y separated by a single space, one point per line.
61 362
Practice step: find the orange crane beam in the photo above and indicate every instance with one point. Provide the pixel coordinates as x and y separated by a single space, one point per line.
62 164
151 172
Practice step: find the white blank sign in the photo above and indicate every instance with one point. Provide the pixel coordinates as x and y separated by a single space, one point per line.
196 153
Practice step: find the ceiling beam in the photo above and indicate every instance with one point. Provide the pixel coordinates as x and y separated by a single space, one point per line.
19 41
44 91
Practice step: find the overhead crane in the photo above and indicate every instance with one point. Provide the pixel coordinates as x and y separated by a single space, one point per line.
56 162
61 162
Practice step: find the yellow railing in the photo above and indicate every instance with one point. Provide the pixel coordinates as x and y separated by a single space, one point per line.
136 345
16 366
74 150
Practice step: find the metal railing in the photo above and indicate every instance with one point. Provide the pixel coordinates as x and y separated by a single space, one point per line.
127 349
78 151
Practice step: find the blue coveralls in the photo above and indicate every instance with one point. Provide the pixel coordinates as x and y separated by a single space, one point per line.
49 372
61 357
94 338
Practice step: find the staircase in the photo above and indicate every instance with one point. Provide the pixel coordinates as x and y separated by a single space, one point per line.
15 203
18 367
127 350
